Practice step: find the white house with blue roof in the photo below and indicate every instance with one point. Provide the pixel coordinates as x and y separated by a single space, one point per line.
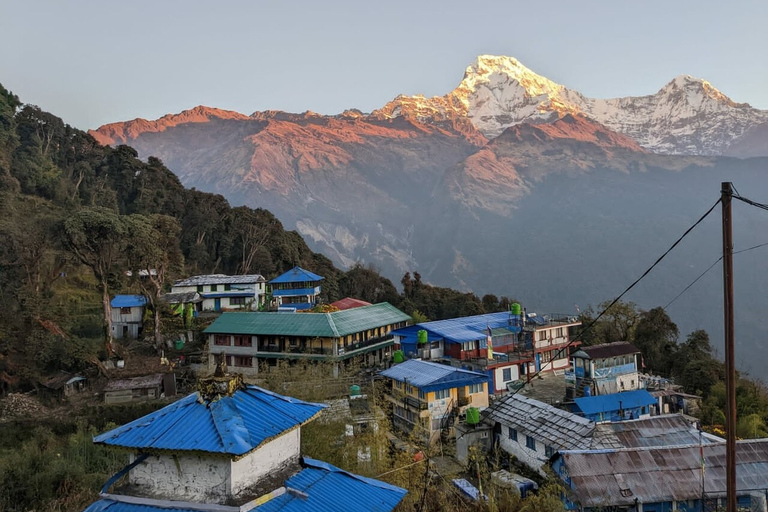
427 398
127 313
231 448
220 292
296 289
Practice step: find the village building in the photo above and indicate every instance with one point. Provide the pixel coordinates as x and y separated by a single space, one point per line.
221 292
604 369
248 339
659 479
64 384
127 315
296 289
231 447
427 398
349 303
628 405
140 389
533 431
520 345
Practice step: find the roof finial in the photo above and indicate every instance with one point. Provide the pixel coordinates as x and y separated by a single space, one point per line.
220 384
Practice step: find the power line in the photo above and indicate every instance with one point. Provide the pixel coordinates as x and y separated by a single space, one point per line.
710 268
617 299
743 199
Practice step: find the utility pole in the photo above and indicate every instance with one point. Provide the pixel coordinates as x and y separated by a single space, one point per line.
726 193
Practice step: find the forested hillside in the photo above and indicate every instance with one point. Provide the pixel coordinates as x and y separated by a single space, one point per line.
76 215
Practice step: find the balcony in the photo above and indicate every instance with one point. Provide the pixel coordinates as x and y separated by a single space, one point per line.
410 401
464 401
298 349
357 345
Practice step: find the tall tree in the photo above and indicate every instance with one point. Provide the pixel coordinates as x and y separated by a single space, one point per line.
153 257
656 337
97 237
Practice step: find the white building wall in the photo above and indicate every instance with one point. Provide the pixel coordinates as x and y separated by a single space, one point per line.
269 457
559 363
534 459
184 477
498 374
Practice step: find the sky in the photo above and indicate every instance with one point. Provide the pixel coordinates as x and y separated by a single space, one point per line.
93 62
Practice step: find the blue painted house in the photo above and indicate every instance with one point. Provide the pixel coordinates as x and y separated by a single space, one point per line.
296 289
231 447
629 405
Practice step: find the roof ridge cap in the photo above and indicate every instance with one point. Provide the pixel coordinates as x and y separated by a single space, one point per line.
332 324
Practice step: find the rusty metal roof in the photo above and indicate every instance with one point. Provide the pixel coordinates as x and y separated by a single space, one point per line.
618 348
651 475
146 381
665 430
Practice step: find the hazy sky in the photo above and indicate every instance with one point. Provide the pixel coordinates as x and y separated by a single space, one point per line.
100 61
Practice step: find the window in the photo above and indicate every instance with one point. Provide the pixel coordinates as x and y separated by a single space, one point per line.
422 395
221 339
442 394
237 301
506 374
243 341
200 288
227 287
214 287
409 389
512 434
125 311
530 443
475 388
559 332
549 451
543 335
243 361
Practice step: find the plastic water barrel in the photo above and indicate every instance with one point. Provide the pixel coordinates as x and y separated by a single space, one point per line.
354 390
473 416
516 309
421 337
398 356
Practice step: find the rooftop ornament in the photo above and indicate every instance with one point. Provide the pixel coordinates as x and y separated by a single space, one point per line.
220 384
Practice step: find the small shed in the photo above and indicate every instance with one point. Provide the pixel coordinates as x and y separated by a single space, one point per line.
139 389
127 315
64 384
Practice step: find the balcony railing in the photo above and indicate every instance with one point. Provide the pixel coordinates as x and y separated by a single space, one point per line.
409 400
464 400
278 349
357 345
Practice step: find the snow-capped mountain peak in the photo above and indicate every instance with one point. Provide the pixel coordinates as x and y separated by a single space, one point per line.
686 116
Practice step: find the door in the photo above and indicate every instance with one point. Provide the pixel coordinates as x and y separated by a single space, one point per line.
538 362
217 304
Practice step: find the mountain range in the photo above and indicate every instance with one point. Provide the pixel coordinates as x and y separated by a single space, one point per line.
509 184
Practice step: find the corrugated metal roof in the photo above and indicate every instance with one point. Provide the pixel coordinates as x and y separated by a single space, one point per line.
143 382
652 475
327 488
220 279
468 328
666 430
429 376
296 275
128 301
614 401
619 348
327 325
556 427
349 303
182 297
233 425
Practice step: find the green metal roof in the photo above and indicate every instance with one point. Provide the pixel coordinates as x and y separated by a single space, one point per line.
322 325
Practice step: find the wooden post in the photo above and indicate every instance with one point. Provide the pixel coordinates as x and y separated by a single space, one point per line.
730 369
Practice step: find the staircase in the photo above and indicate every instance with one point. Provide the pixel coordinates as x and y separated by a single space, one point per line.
581 384
447 422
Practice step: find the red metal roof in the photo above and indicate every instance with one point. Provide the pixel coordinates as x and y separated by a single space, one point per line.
349 303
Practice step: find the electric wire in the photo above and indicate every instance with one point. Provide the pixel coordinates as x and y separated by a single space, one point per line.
718 260
617 299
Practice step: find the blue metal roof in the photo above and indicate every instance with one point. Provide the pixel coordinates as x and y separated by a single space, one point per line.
607 403
233 425
296 275
128 301
468 328
228 293
429 376
330 488
327 488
